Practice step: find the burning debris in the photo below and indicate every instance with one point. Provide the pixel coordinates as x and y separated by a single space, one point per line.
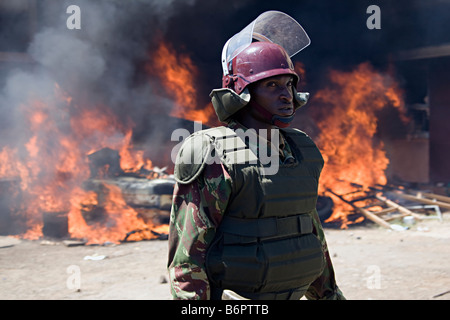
347 114
110 205
67 176
384 204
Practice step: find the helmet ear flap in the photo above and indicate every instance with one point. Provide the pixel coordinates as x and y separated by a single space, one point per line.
227 102
300 98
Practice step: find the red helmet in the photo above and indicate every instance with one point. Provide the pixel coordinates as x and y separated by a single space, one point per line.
258 61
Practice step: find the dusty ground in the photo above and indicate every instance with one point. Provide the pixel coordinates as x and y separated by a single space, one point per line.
370 263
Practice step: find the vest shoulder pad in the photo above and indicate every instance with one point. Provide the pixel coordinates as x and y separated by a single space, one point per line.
191 157
197 151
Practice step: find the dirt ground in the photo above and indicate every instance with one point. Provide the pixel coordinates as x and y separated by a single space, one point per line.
370 263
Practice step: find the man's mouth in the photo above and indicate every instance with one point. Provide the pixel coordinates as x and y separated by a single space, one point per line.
288 110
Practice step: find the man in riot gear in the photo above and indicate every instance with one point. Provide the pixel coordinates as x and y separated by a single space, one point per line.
234 224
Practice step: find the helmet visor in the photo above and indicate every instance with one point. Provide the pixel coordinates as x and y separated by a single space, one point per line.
273 26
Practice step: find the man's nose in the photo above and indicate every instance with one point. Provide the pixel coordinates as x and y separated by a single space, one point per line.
287 94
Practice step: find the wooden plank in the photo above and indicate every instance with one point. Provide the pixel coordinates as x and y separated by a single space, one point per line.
434 196
387 210
369 215
403 210
424 200
396 217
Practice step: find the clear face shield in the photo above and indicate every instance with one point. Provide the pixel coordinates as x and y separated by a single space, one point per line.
272 26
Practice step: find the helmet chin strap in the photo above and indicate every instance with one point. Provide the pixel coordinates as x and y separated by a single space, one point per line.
276 120
282 122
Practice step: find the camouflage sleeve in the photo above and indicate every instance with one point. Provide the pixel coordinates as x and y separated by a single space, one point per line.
197 209
324 287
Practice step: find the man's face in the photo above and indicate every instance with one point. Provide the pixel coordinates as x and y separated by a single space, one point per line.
275 94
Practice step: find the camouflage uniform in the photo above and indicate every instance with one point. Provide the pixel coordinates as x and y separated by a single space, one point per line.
197 210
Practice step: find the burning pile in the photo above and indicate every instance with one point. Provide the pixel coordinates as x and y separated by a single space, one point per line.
346 115
52 165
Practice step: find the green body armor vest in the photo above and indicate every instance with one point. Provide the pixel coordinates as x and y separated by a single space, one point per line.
265 242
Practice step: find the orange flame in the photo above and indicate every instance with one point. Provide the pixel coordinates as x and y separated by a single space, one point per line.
120 218
347 119
132 160
178 74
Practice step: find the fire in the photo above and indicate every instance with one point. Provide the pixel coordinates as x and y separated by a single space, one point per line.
52 164
132 160
179 75
118 219
347 119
